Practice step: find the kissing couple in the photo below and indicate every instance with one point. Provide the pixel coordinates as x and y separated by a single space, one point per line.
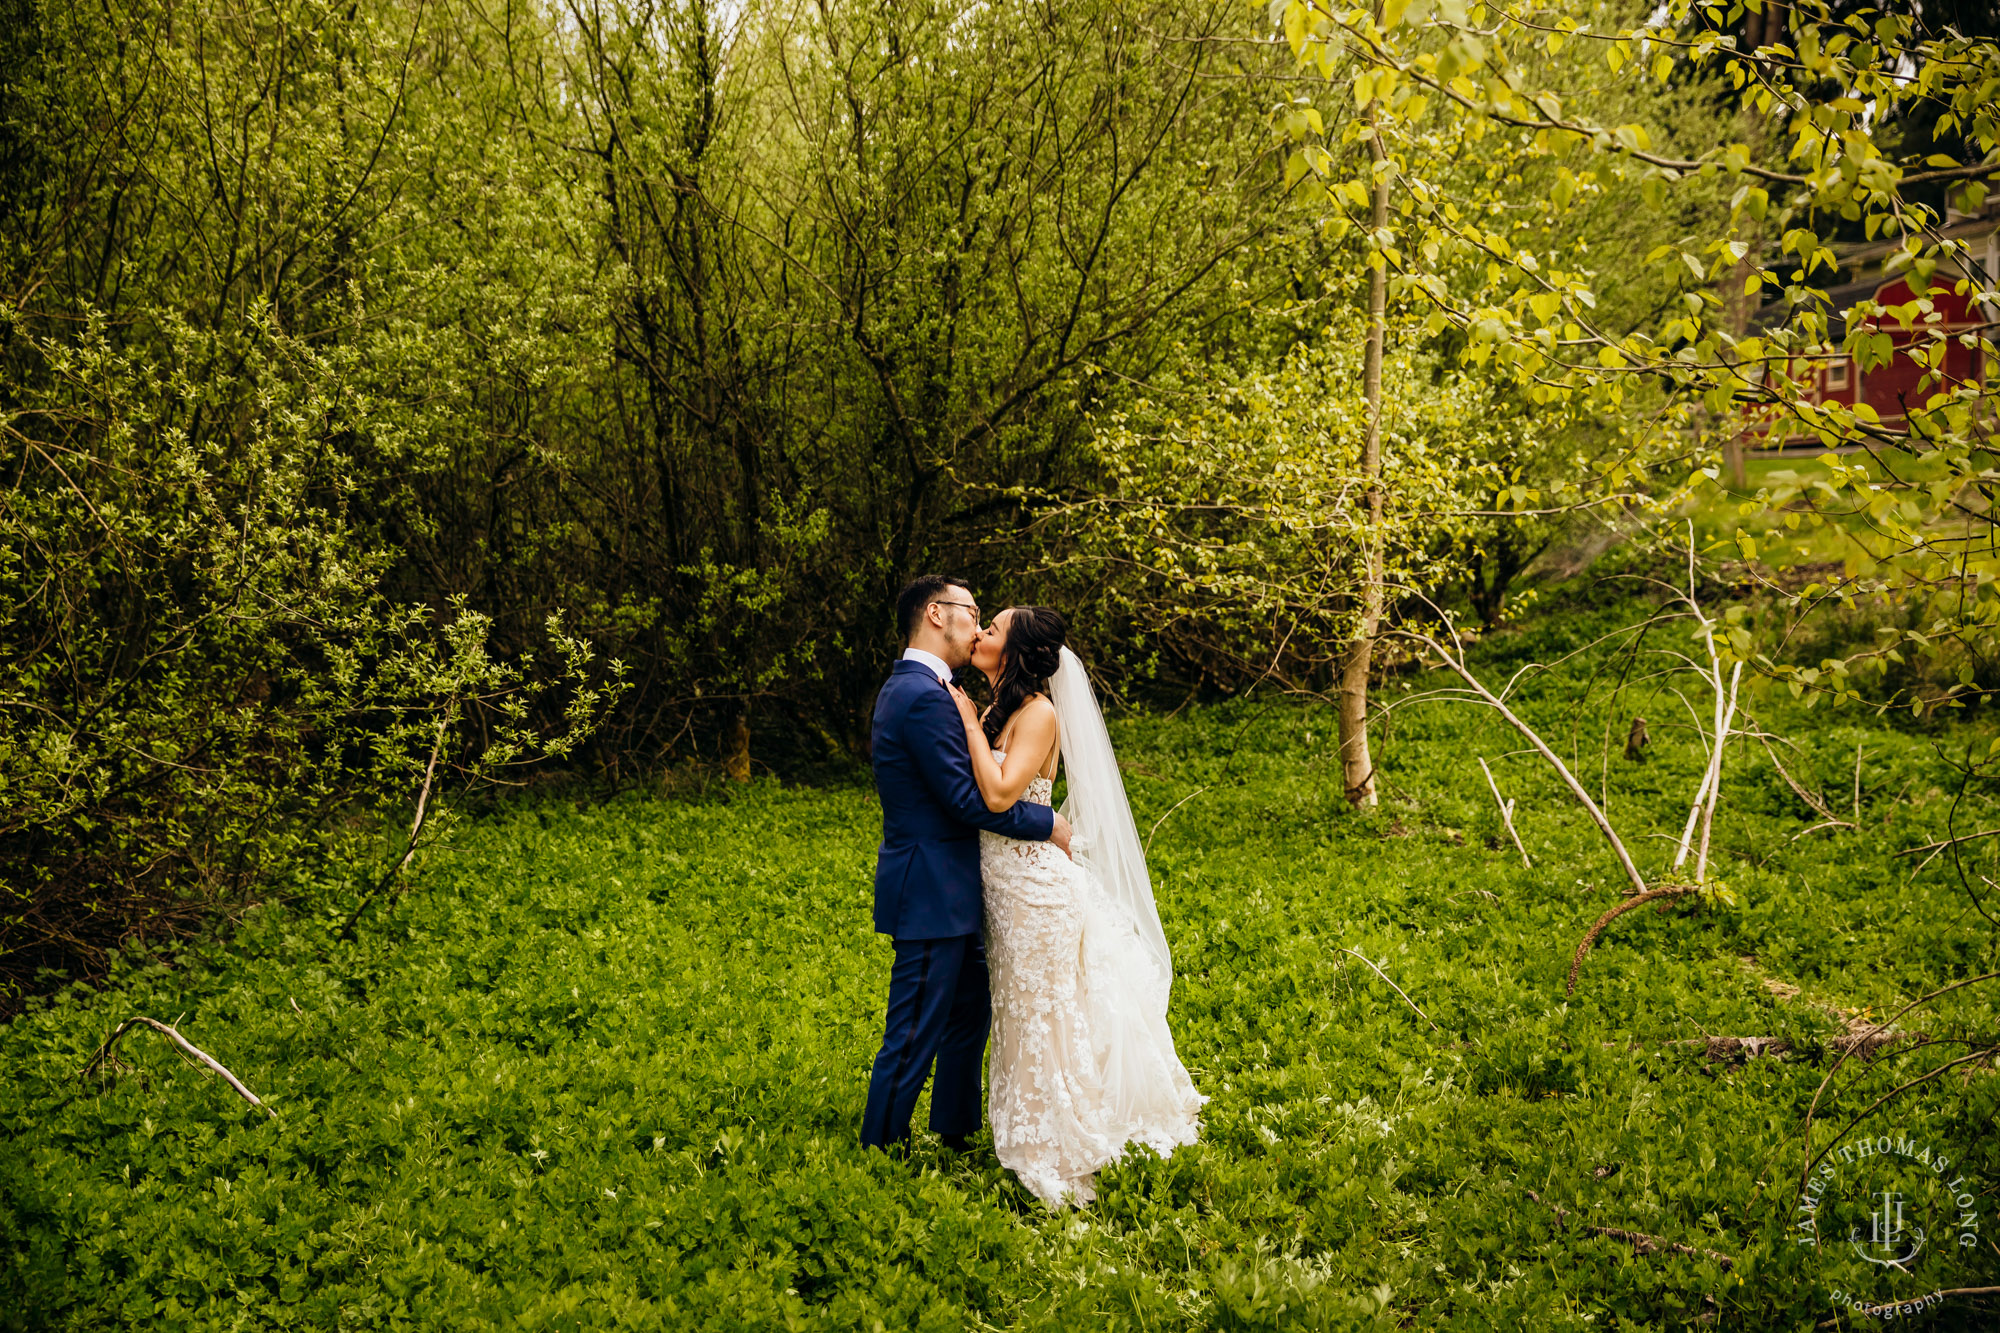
1008 914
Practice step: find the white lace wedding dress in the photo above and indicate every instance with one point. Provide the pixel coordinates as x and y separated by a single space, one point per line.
1082 1062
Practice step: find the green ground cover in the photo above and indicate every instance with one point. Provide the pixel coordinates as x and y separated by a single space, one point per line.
604 1065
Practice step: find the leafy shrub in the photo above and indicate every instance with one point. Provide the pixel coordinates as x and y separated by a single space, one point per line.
197 667
212 406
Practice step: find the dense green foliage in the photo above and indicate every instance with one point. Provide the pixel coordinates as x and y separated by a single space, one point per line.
605 1066
341 346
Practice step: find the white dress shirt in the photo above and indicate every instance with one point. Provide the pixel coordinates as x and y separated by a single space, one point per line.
931 660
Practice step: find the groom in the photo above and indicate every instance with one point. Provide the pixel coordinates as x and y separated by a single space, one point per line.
927 893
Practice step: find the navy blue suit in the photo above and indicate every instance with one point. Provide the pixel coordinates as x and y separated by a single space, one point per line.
927 896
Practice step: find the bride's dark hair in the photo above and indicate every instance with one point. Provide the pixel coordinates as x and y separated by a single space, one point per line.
1035 636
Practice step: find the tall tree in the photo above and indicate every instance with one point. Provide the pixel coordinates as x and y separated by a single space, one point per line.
1357 767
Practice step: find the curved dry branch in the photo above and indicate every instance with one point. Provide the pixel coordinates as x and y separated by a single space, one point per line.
1590 936
104 1053
1163 818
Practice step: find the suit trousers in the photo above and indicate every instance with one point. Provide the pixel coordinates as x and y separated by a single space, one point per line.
939 1010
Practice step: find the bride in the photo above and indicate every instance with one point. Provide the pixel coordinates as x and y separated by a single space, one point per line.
1083 1063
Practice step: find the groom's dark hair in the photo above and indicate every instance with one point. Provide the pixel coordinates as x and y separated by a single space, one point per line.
919 593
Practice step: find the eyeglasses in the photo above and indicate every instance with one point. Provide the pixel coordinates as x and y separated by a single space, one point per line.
967 605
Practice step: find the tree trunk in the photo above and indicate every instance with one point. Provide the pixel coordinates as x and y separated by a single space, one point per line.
1357 768
736 747
1732 463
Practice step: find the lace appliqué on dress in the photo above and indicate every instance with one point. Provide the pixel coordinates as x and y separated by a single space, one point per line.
1082 1060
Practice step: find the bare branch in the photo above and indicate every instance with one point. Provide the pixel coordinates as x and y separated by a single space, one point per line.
104 1053
1392 986
1813 1160
1464 673
1506 813
1818 806
1636 900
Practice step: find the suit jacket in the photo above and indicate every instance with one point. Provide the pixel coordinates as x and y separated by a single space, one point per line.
927 869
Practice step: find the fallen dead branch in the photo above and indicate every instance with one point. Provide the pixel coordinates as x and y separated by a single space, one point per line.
1695 835
1641 1242
1827 817
1861 1045
1456 661
1589 940
1735 1049
104 1053
1392 986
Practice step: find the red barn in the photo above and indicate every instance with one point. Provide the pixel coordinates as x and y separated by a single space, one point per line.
1890 388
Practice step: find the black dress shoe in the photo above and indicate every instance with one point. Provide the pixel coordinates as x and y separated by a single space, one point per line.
958 1143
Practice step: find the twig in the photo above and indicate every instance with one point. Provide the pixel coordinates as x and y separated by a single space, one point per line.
416 828
104 1052
1715 787
1392 986
1857 784
423 798
1641 1241
1958 862
1935 847
1163 818
1814 803
1506 813
1493 701
1590 936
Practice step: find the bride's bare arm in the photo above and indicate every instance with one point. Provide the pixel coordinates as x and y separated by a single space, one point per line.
1034 735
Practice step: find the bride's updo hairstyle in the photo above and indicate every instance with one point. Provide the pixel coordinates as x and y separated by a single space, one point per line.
1035 636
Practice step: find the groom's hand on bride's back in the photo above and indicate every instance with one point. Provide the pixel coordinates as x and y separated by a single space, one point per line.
1059 834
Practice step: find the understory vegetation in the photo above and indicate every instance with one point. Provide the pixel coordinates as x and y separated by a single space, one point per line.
602 1064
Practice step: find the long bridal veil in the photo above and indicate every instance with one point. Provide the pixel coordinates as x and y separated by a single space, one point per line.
1105 840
